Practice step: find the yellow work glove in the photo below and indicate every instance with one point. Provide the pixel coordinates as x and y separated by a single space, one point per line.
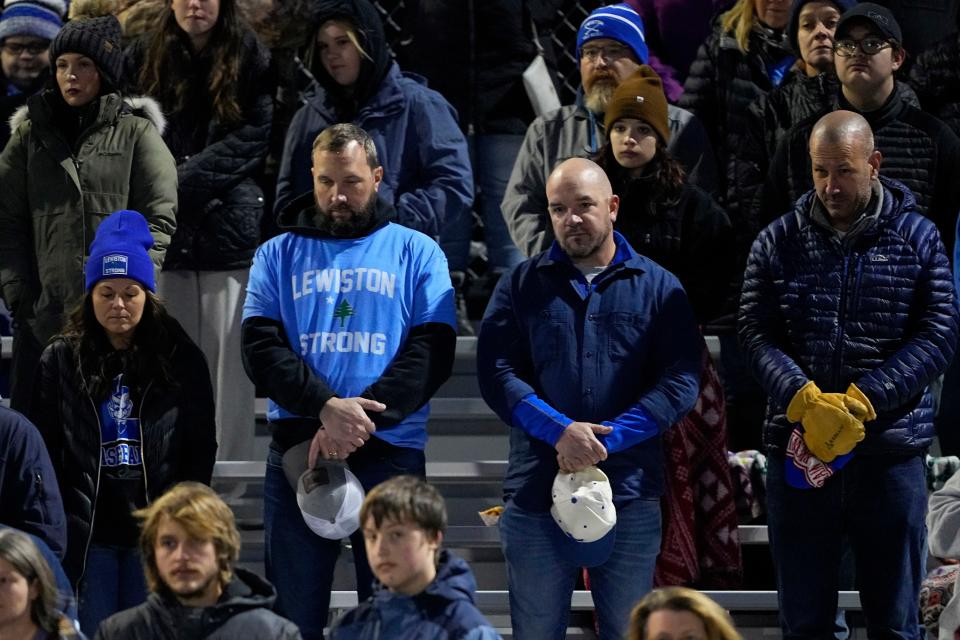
854 392
852 404
830 423
803 400
830 431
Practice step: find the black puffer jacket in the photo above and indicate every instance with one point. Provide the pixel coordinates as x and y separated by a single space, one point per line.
724 81
799 98
689 235
218 222
244 611
918 150
178 433
769 119
935 76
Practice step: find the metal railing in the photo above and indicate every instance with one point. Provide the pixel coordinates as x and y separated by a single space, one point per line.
499 601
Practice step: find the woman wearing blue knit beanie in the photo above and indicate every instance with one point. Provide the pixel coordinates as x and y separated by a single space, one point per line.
124 403
77 151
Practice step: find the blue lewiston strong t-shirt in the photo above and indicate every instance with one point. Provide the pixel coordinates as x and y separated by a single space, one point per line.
347 306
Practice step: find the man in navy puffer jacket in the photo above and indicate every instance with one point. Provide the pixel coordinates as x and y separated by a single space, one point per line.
850 293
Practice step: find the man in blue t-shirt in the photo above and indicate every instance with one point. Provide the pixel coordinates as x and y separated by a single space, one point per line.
349 328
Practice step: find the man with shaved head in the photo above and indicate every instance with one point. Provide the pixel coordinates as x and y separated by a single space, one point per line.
589 351
848 314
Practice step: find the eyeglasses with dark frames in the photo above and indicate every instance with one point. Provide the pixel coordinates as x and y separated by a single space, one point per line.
610 53
17 48
871 46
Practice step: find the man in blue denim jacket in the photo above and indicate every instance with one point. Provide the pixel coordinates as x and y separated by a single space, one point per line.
589 351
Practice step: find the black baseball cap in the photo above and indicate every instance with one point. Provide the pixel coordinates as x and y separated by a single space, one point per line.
879 17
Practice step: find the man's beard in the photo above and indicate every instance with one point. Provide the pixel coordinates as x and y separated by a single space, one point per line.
357 224
24 79
199 591
598 96
582 251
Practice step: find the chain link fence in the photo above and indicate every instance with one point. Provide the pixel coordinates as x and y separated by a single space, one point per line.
564 37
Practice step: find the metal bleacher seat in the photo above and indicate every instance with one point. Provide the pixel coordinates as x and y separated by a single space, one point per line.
498 601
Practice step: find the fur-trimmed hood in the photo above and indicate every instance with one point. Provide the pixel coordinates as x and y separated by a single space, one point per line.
143 106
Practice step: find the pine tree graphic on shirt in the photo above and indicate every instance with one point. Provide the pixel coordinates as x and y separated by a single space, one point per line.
343 311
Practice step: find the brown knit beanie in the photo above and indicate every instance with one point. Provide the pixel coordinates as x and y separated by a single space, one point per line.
640 96
98 39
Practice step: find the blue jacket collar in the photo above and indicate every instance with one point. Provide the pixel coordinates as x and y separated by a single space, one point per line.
624 254
624 258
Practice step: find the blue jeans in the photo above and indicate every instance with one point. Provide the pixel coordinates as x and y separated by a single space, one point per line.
880 502
492 157
300 563
112 581
541 576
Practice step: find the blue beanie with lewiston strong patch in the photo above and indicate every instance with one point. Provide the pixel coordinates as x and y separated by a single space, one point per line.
120 249
618 22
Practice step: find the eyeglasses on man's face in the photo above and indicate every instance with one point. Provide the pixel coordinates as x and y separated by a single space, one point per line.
871 46
609 53
17 48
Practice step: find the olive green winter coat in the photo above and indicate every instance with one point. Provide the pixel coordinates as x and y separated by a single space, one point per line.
53 197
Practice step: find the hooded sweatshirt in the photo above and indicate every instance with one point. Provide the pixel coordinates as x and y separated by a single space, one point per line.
426 166
443 611
243 611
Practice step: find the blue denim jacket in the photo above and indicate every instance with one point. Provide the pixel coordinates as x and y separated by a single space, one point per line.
591 351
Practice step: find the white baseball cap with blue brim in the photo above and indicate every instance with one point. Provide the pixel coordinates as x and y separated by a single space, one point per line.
583 504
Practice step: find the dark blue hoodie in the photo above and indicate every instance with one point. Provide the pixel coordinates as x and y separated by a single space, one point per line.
426 168
443 611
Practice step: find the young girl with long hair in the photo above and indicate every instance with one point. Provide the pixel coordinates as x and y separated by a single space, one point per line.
662 216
